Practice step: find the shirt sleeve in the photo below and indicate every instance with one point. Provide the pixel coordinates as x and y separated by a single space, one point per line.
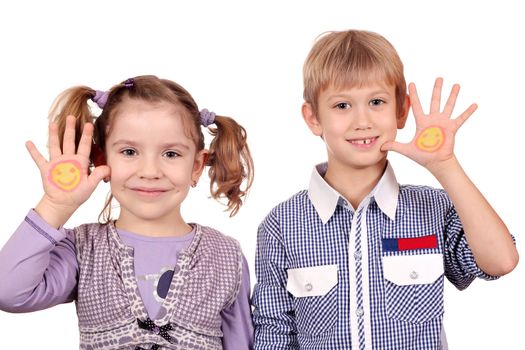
237 325
460 266
273 314
38 267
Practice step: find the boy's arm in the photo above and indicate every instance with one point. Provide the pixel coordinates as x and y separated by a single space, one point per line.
273 313
488 237
433 147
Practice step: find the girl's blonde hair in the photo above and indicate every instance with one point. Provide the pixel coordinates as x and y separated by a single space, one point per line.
352 58
230 163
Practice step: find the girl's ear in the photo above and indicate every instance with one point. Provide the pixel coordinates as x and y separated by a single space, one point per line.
310 117
402 118
201 158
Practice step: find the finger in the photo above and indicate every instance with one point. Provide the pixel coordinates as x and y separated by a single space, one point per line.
451 102
436 96
402 148
84 146
465 115
414 100
69 136
98 174
38 158
54 142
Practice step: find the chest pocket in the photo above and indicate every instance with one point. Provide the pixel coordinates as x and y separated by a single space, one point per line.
315 298
414 287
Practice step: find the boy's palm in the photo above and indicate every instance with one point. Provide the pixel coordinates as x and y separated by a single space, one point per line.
436 131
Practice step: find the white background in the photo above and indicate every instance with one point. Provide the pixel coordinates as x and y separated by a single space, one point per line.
244 59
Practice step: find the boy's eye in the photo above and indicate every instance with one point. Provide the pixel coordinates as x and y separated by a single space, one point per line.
171 154
376 102
129 152
342 105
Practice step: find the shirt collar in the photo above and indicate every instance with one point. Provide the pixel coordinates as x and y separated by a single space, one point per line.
325 199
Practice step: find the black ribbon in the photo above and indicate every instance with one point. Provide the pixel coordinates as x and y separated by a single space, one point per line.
149 325
153 347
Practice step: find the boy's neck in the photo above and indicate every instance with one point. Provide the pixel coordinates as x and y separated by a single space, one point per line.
354 184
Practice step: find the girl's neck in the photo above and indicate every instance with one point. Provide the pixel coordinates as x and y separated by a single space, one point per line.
355 183
169 227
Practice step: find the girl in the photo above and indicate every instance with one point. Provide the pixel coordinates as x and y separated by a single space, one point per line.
147 280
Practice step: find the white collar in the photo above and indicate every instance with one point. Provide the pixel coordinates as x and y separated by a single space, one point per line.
325 198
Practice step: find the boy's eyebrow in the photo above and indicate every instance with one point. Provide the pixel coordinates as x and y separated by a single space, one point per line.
373 92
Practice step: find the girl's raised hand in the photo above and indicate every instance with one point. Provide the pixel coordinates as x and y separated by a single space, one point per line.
65 176
433 142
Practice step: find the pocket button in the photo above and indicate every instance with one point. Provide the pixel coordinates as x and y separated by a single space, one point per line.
414 275
308 287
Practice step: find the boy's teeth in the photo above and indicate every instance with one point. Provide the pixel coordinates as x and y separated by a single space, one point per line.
363 142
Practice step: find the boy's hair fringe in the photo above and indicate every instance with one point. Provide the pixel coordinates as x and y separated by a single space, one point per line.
352 58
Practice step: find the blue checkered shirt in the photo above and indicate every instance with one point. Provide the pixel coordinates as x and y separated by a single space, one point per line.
329 277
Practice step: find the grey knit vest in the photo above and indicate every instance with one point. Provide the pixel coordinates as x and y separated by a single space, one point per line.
111 314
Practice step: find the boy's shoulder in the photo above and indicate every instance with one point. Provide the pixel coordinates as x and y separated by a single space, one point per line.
424 196
297 201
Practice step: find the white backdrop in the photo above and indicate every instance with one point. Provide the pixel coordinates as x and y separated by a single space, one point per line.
244 59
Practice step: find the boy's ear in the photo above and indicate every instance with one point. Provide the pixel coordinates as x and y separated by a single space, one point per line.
311 119
402 118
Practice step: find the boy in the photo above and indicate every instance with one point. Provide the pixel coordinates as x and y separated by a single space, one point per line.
358 261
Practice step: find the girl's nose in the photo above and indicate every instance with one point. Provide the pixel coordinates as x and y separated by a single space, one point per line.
149 168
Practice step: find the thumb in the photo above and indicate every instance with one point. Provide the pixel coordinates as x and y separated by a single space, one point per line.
402 148
99 173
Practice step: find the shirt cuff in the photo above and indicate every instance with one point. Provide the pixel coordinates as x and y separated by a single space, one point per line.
43 229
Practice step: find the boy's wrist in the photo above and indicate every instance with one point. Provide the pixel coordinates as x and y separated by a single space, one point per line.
444 168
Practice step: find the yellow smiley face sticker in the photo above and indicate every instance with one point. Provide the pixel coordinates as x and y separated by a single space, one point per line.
65 175
430 139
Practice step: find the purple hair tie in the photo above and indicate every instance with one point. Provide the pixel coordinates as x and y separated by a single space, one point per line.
100 98
128 83
207 117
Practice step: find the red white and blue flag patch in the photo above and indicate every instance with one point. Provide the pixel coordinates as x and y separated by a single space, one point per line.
401 244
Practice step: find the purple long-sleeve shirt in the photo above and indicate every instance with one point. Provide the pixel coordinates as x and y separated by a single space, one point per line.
39 269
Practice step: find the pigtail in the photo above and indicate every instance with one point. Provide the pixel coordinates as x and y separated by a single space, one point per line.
73 101
230 162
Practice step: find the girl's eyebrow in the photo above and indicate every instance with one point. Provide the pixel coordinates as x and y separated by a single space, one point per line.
165 145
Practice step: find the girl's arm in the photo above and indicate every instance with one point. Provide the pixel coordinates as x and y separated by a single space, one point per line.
237 325
38 267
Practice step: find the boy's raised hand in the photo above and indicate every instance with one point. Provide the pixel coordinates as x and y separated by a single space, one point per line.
65 176
433 142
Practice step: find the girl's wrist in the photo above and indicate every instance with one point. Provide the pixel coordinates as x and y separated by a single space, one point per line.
54 214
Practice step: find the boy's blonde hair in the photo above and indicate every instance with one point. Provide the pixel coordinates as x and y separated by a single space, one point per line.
352 58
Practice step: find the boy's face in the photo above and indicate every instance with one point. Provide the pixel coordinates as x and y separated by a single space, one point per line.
355 122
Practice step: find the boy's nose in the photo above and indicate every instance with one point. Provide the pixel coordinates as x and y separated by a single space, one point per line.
361 120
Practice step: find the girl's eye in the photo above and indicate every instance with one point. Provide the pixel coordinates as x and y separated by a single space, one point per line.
376 102
342 105
129 152
171 154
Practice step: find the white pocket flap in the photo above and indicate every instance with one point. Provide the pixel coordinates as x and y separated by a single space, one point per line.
405 270
311 281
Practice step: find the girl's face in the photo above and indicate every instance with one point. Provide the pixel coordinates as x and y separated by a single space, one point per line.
153 162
